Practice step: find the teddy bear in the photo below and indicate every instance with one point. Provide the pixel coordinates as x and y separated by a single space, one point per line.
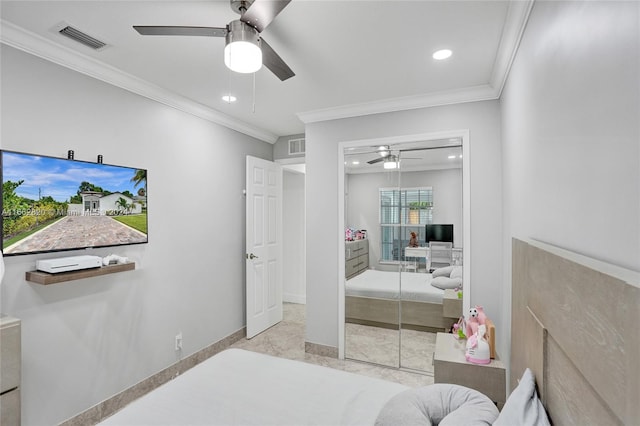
413 242
472 322
476 317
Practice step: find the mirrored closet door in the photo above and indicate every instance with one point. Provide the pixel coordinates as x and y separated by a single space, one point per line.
372 304
392 310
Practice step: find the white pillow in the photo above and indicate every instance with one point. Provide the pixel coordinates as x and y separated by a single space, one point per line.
456 272
442 272
523 406
444 283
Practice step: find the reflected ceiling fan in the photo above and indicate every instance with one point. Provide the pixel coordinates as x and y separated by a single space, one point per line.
390 160
245 51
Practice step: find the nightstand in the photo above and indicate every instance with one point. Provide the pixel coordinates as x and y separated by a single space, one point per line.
10 369
450 366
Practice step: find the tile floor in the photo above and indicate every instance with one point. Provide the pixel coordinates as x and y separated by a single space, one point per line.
286 340
410 348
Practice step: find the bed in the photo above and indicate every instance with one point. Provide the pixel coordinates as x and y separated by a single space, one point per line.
574 352
582 316
239 387
371 298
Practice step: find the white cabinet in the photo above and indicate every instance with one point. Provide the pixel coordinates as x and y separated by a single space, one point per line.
356 255
10 366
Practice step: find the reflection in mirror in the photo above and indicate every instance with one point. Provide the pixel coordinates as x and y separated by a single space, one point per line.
392 310
372 309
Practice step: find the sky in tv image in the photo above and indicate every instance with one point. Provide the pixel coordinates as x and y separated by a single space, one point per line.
60 178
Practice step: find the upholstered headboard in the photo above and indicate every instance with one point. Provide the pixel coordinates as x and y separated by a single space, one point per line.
575 322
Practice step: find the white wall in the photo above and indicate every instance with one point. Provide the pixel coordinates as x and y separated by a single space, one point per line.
363 209
86 340
294 280
323 236
571 138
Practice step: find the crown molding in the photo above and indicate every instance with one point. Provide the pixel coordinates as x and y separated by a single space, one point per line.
470 94
19 38
515 23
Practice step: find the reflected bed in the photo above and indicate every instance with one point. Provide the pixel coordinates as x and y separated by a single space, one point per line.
371 298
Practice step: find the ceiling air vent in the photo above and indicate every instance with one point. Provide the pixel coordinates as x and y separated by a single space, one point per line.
81 37
296 146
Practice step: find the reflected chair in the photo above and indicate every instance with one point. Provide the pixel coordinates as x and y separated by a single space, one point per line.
440 254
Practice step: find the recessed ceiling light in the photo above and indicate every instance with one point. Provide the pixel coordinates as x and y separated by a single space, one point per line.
451 157
355 163
442 54
229 98
460 155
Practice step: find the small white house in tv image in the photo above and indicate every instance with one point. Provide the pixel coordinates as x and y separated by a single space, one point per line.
97 204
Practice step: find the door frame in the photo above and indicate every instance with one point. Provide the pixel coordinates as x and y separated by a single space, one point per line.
466 213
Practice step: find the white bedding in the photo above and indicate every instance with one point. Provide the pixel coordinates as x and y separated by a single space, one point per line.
238 387
385 285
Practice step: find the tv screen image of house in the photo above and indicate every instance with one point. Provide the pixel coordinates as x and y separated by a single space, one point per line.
437 232
55 204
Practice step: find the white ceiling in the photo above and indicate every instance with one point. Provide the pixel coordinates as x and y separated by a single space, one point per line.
350 57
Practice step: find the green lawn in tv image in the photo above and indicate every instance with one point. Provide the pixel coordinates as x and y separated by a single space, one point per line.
58 204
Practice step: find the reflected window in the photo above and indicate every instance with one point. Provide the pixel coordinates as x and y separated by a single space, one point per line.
401 212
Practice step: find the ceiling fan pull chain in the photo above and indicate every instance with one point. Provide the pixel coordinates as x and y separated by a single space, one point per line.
254 92
228 86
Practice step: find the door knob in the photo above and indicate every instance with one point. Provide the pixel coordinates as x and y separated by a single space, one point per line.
252 256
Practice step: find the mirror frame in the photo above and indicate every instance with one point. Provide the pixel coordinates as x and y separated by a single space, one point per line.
466 213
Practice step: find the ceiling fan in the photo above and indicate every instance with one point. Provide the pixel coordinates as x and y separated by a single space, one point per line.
245 51
390 160
384 153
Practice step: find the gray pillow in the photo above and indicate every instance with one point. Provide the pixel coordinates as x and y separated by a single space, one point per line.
444 283
442 272
523 406
443 404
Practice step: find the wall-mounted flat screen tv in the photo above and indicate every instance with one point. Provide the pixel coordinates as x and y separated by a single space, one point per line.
54 204
439 232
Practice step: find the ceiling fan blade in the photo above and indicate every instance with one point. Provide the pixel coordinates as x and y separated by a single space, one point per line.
376 160
430 148
271 60
262 12
181 31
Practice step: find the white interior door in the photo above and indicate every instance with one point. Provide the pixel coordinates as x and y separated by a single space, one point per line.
263 245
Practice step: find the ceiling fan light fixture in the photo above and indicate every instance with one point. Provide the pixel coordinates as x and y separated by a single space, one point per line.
390 163
383 151
242 53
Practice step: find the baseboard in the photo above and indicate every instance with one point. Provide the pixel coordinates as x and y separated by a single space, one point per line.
294 298
110 406
322 350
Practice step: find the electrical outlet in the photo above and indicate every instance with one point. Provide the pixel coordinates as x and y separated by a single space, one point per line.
179 341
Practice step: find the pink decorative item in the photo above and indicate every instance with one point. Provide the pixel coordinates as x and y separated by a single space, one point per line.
458 329
472 322
348 234
478 351
482 317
